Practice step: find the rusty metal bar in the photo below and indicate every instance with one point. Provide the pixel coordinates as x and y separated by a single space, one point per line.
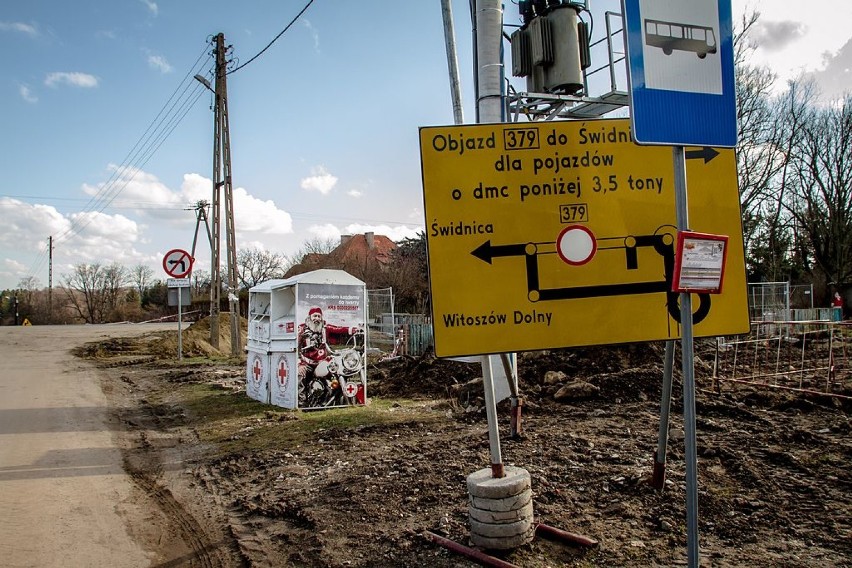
553 533
472 553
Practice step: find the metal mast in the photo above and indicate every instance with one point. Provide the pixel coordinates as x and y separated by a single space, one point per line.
222 179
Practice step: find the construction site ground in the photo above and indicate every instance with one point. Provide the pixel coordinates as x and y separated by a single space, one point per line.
239 483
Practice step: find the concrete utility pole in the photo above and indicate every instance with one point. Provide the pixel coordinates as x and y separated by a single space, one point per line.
50 280
201 215
452 61
489 103
222 179
489 71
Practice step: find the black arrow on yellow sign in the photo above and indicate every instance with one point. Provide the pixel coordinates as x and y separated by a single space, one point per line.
706 153
486 251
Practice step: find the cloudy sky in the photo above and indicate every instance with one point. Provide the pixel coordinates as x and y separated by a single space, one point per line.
107 142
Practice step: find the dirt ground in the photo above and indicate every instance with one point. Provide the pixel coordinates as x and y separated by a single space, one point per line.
251 485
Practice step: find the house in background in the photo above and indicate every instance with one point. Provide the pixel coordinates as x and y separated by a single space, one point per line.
363 256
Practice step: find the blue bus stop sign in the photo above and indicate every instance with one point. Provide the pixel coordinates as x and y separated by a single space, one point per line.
681 71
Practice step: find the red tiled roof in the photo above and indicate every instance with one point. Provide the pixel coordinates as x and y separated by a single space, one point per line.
357 248
353 251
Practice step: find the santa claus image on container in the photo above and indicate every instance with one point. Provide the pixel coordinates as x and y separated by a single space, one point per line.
315 338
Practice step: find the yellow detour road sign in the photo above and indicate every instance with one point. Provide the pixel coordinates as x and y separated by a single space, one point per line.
547 235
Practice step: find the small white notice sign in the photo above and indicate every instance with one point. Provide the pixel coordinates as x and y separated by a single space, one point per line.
699 262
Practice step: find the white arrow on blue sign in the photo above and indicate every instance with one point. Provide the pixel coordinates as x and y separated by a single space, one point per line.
681 70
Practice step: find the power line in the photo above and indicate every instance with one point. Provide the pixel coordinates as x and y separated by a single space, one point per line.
145 137
115 204
293 21
164 123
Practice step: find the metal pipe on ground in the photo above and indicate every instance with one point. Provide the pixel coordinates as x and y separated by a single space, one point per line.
553 533
472 553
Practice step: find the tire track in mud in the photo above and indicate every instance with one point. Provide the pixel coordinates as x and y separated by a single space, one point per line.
264 531
142 462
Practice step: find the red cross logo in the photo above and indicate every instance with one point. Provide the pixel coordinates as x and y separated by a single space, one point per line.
351 389
257 370
282 372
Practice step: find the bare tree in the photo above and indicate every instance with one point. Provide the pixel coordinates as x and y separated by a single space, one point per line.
821 181
200 282
30 283
762 155
93 291
141 276
308 254
26 296
257 265
316 245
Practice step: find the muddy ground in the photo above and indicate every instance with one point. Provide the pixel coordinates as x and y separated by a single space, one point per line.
262 486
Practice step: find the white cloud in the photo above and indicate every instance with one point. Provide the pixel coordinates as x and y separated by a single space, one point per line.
11 272
196 187
314 33
416 214
138 190
152 6
103 236
159 63
82 237
325 232
74 79
320 180
258 216
790 43
395 234
835 79
25 225
18 27
12 266
150 213
27 94
256 245
251 214
776 35
354 193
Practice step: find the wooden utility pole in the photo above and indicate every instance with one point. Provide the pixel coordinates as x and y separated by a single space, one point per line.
222 180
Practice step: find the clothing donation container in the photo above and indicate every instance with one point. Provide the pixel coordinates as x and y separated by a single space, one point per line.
306 341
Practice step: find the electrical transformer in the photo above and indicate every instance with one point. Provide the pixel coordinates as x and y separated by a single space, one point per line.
551 49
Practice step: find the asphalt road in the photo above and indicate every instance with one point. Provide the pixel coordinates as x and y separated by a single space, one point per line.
64 497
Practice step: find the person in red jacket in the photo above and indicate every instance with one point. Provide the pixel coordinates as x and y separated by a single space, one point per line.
837 305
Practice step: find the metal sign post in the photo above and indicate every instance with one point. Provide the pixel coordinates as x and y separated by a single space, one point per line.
179 285
688 366
180 331
682 93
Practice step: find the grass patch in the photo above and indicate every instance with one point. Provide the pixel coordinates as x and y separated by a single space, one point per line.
233 422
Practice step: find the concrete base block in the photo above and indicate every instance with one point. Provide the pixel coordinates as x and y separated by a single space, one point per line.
482 484
501 509
501 530
497 517
512 503
502 543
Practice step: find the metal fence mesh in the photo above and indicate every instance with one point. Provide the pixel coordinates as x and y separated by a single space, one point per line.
769 301
380 318
807 356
